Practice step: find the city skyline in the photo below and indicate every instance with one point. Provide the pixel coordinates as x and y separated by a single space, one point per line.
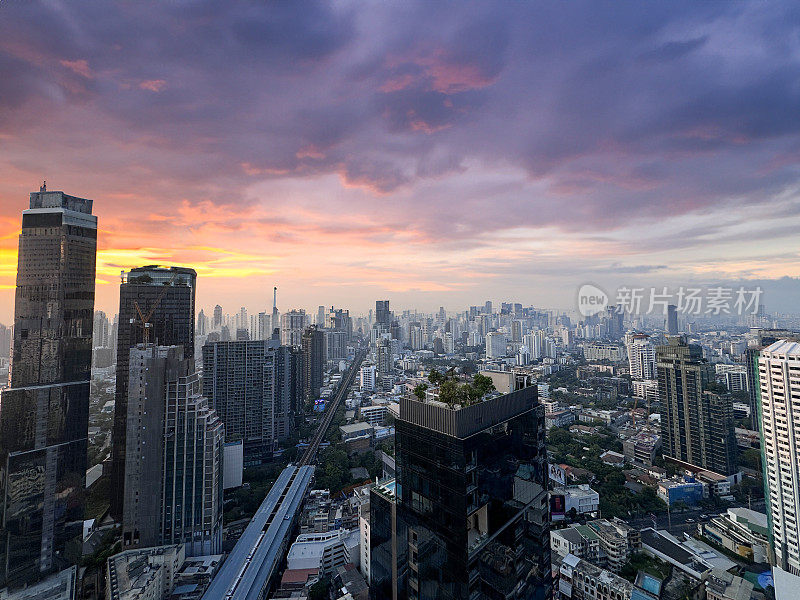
356 159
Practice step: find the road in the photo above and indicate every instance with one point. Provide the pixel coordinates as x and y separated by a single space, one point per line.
310 454
684 521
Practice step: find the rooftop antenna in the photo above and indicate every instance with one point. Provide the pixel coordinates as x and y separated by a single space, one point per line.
274 298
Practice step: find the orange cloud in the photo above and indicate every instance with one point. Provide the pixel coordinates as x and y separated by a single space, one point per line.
153 85
79 67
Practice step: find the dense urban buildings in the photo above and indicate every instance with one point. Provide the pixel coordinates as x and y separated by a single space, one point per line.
44 413
156 304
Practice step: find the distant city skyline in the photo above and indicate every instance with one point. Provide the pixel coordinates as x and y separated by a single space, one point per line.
521 150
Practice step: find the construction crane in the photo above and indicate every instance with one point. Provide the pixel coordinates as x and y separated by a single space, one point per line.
144 320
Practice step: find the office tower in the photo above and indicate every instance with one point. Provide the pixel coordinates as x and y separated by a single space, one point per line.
101 330
202 323
313 361
535 341
217 317
256 387
516 331
292 325
641 356
264 326
384 361
672 319
495 344
5 341
472 498
487 308
779 378
320 316
44 415
164 297
382 313
335 345
697 425
173 455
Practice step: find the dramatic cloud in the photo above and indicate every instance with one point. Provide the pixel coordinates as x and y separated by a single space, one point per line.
438 151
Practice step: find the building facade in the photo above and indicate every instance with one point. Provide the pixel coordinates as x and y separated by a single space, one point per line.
167 296
174 455
44 414
472 498
313 361
256 387
697 425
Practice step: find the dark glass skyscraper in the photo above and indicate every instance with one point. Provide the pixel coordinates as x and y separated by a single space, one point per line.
44 415
472 499
169 294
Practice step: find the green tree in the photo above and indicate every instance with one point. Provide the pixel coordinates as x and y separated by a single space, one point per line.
435 377
419 391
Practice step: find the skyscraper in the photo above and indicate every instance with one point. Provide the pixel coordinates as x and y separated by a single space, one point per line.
164 297
44 414
641 356
697 426
217 318
293 323
472 499
382 313
173 459
779 380
313 361
672 319
256 387
202 323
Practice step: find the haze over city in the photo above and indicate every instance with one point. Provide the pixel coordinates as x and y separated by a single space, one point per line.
431 152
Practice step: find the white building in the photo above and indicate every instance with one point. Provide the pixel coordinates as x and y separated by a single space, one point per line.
733 376
324 551
374 414
641 357
495 344
779 379
368 378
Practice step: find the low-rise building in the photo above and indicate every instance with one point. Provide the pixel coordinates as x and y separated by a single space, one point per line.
582 498
680 489
618 541
559 418
324 551
613 459
642 448
581 580
374 414
722 585
61 586
740 530
143 574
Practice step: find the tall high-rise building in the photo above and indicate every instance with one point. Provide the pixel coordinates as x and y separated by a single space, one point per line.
173 456
777 393
697 424
218 319
293 323
202 323
101 330
383 315
383 356
44 415
641 356
5 341
256 387
165 297
672 319
495 344
313 361
472 501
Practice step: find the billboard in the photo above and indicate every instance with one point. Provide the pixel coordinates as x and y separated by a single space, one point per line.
557 475
558 505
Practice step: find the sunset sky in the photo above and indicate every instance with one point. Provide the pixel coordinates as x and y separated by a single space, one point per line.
432 153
